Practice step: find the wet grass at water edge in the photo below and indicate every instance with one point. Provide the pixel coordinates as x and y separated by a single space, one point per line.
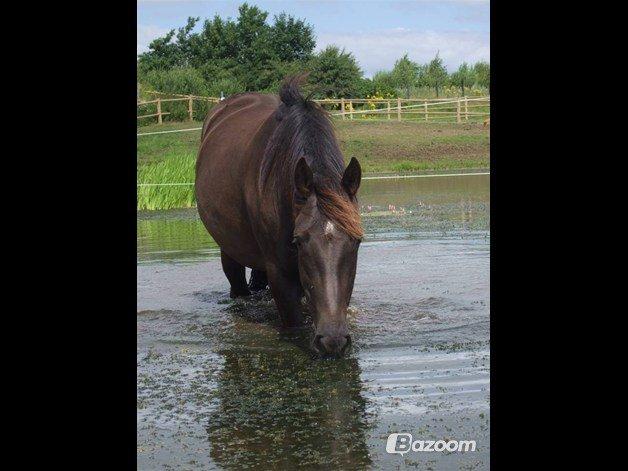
380 146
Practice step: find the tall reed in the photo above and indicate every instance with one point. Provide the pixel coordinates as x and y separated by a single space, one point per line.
173 169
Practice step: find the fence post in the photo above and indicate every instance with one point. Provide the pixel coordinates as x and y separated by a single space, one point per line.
350 109
458 111
159 120
466 109
342 107
425 106
388 103
398 109
190 109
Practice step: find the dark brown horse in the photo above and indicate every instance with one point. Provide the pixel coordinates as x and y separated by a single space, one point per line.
273 192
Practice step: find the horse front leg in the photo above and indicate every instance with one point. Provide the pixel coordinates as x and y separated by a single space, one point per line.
258 280
287 293
235 273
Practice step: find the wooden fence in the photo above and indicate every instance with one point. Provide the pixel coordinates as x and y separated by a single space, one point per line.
459 110
159 101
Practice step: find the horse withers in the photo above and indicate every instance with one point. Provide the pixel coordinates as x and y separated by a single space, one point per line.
273 192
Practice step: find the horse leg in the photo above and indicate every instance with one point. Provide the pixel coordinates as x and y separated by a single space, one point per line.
235 274
258 280
287 294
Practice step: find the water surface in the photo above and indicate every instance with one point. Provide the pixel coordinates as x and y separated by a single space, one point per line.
220 388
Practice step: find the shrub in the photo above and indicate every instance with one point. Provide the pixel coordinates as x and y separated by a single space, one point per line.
175 81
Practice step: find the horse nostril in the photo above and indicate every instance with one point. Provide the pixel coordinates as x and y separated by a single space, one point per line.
347 344
317 343
331 345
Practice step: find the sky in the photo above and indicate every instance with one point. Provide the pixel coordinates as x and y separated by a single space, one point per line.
377 32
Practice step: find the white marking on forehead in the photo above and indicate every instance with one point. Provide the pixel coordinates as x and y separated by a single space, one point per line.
329 228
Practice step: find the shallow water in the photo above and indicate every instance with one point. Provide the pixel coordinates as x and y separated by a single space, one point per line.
220 388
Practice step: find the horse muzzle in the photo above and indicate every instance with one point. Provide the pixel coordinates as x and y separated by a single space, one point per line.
331 345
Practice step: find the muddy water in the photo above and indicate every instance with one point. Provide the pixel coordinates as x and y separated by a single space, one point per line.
220 388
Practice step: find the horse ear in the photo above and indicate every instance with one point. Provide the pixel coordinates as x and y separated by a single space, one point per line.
352 177
303 179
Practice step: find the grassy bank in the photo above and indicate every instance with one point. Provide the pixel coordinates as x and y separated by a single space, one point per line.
380 146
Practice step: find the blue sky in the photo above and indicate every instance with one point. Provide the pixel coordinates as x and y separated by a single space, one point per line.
377 32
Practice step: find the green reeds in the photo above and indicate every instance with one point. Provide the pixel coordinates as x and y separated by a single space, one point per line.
164 184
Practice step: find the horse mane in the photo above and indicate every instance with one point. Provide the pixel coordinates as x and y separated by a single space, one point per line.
304 129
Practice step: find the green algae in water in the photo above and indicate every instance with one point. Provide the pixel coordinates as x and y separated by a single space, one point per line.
289 411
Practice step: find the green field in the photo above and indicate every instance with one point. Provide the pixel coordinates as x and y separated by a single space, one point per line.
380 146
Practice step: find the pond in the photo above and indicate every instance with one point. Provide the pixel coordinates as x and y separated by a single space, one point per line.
220 388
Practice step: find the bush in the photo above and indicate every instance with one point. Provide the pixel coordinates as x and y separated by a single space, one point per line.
219 78
184 81
175 81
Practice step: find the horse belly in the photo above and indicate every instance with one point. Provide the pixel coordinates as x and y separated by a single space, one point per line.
224 167
222 209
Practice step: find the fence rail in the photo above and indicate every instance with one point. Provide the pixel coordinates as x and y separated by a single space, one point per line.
459 109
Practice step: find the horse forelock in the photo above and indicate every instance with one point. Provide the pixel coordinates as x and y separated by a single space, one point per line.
340 209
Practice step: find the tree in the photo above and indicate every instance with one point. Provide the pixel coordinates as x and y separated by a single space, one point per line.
335 73
162 55
464 76
404 74
421 78
248 48
436 73
482 71
384 84
292 40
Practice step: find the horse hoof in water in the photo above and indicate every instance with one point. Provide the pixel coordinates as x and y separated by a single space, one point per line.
239 293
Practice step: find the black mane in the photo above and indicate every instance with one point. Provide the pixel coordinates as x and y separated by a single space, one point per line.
304 130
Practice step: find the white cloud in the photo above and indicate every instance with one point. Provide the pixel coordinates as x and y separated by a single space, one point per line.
378 50
146 33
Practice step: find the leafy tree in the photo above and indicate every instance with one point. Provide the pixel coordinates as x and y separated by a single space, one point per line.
436 73
464 76
404 74
249 49
217 42
335 73
421 78
167 54
163 54
292 40
185 42
384 84
482 71
250 53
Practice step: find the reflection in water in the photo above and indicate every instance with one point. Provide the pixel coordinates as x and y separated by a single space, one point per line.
287 411
432 190
181 234
391 209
